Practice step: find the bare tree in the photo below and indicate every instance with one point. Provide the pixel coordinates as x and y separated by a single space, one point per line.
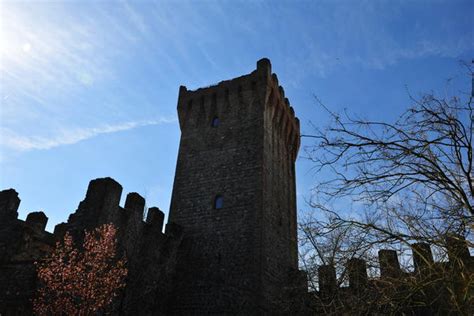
408 182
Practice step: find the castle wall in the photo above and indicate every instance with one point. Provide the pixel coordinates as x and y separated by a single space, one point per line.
22 243
433 288
150 253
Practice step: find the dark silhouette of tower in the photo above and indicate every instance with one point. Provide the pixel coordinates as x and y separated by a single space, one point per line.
234 195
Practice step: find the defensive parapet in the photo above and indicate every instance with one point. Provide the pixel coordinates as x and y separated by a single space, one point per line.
357 270
37 220
422 257
21 240
389 264
150 253
101 206
9 203
432 285
327 281
21 244
280 112
237 98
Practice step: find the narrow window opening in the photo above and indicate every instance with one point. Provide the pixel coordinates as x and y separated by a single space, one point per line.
218 202
214 98
215 122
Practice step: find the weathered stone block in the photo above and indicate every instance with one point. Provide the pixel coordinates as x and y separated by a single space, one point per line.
37 220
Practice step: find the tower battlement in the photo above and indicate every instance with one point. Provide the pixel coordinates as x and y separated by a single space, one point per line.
238 97
281 112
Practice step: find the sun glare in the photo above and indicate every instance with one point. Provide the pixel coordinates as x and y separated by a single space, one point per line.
14 41
26 47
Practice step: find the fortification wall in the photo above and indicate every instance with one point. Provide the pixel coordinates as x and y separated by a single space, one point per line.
150 253
22 243
432 288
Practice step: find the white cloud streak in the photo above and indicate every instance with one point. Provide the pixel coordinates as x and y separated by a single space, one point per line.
18 142
364 34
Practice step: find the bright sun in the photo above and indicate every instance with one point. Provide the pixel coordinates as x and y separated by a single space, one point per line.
17 40
26 47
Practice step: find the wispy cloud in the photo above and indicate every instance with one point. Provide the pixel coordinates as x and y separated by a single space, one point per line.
62 65
375 35
18 142
36 53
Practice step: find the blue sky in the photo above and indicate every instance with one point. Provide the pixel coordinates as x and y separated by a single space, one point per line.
89 89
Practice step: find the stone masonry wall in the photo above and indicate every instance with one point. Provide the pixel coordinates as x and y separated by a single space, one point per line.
430 289
150 253
21 244
241 254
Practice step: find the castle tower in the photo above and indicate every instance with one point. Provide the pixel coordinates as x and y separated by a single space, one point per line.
234 195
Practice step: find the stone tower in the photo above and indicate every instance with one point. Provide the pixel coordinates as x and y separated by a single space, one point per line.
234 195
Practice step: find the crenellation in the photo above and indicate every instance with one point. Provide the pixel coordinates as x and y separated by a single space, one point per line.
275 80
21 243
135 203
155 218
357 270
206 98
395 280
100 206
286 122
389 265
282 93
264 66
37 220
457 248
9 203
327 281
292 111
422 257
106 191
60 230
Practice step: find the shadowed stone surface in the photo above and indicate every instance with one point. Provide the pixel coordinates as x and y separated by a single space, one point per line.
241 254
